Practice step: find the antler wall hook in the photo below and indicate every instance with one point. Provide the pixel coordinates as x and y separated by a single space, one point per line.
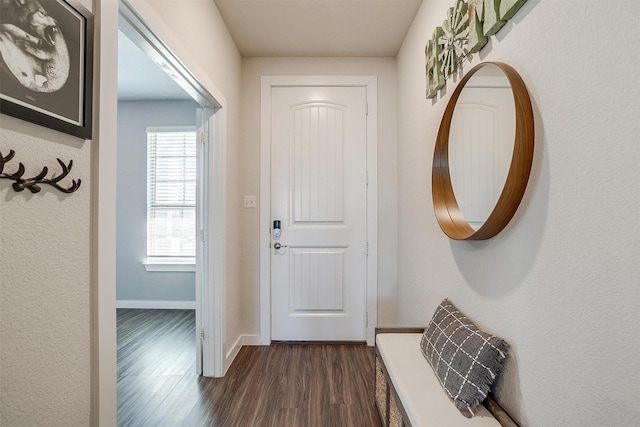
31 184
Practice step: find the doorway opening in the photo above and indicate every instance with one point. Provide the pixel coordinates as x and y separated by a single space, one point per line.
190 104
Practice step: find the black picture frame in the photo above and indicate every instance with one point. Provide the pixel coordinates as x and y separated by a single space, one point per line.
46 68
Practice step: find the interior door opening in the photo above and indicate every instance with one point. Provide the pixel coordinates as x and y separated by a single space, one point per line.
205 116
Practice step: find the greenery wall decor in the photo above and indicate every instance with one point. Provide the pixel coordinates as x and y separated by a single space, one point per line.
465 31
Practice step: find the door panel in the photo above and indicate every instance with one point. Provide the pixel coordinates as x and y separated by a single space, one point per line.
318 192
316 280
318 187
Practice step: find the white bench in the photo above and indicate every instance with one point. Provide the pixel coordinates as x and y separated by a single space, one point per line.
408 393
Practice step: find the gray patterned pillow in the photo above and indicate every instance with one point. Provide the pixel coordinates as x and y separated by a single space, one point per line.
465 359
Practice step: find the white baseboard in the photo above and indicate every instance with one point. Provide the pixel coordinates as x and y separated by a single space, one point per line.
231 355
235 349
251 340
172 305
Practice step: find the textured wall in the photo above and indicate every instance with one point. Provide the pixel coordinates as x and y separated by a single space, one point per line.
133 281
384 68
44 284
560 283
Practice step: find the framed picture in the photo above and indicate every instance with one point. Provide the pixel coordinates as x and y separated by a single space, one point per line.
46 64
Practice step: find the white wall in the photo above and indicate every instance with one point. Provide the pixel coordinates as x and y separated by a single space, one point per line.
560 283
134 283
45 289
385 70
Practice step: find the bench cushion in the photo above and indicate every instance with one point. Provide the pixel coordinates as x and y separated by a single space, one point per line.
465 359
419 391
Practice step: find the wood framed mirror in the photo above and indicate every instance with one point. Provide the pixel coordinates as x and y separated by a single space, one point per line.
509 180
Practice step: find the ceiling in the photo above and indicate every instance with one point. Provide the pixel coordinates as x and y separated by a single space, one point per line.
318 27
286 28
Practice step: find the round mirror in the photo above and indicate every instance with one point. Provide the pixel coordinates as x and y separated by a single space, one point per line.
483 153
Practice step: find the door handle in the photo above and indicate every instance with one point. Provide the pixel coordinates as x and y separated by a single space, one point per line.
278 245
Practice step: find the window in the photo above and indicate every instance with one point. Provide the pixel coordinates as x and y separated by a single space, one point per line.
171 196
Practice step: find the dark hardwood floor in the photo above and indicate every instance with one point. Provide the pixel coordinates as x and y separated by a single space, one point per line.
277 385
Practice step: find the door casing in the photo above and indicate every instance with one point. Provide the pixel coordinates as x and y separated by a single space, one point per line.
110 17
371 86
210 257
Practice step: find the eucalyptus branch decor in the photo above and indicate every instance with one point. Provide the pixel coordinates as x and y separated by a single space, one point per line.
455 30
31 184
465 31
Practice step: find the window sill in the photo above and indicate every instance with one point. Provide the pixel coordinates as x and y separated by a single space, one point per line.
170 266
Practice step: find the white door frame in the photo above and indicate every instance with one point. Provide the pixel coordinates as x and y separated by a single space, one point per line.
210 256
103 274
210 271
371 85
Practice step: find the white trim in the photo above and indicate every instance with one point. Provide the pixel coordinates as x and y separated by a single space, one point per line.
160 129
371 85
265 210
157 305
250 339
202 211
170 267
372 210
243 340
233 352
104 405
214 295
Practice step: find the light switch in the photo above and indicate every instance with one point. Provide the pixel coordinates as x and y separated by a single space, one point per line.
249 202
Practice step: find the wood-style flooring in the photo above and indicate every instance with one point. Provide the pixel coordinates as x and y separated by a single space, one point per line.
277 385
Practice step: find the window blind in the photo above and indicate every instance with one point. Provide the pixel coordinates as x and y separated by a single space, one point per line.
171 194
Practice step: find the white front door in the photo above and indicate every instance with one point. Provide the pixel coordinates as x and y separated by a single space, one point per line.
319 197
